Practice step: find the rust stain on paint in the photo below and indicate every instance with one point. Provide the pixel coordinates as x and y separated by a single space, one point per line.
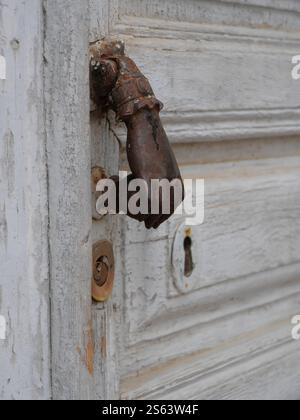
90 350
89 353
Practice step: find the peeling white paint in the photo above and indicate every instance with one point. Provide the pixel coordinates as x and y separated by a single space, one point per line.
2 328
2 68
24 299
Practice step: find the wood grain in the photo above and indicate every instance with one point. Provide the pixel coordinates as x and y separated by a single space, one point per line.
68 147
24 272
223 69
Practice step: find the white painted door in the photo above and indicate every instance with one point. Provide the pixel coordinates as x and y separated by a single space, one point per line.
223 70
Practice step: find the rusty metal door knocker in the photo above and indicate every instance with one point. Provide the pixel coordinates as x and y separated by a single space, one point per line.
118 84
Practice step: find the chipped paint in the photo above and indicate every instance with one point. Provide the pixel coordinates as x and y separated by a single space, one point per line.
2 68
3 226
2 328
103 346
24 290
8 158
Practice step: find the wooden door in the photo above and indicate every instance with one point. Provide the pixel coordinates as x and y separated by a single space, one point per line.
223 68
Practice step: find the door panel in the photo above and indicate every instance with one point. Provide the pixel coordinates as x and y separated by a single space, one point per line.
223 70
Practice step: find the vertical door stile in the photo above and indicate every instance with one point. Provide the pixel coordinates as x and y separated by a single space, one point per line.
68 144
105 151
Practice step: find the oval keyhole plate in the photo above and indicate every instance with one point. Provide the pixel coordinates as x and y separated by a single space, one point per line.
184 259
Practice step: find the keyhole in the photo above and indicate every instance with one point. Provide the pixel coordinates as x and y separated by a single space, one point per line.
102 271
188 261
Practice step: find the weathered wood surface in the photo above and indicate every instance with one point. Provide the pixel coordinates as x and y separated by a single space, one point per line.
239 310
68 146
223 69
24 273
107 318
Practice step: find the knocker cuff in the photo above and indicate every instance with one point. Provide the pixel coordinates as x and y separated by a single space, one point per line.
132 94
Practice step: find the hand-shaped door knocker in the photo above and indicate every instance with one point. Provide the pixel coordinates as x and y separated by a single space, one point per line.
118 84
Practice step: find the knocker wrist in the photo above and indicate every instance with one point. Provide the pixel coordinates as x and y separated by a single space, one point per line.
130 95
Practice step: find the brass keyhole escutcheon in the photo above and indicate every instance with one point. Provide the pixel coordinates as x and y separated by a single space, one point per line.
103 271
188 261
